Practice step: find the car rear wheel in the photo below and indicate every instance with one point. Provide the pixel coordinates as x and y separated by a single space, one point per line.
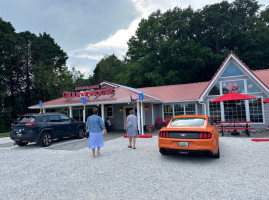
46 139
163 151
81 133
217 155
19 143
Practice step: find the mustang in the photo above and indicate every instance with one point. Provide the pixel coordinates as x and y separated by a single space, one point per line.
190 134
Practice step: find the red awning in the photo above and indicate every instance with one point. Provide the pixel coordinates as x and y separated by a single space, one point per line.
233 96
266 101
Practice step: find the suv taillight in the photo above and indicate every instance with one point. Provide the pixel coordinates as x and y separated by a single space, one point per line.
205 135
30 124
163 134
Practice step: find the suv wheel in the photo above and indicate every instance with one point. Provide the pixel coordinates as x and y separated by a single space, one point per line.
81 133
46 139
19 143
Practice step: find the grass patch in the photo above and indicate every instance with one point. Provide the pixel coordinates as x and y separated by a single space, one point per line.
4 134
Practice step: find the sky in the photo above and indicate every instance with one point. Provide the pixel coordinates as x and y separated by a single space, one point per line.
87 30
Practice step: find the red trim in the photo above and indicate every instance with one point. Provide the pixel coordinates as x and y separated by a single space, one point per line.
260 140
140 136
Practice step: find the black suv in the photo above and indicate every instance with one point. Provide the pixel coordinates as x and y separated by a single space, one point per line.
44 127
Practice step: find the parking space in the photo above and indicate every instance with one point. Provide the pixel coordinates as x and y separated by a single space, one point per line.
32 172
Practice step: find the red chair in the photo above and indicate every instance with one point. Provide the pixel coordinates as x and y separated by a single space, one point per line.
166 121
159 123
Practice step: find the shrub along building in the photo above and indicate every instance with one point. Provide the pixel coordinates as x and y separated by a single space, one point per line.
114 101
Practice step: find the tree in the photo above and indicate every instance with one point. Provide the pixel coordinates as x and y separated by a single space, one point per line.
107 69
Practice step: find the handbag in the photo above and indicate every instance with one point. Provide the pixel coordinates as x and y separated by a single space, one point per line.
129 124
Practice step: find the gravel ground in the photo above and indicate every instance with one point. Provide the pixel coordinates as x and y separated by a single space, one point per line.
32 172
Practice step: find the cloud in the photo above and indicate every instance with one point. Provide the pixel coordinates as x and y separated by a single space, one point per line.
117 42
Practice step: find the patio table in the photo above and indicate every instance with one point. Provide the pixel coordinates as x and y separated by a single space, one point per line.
235 125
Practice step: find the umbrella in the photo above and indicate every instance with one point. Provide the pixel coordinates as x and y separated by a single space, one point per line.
266 101
233 96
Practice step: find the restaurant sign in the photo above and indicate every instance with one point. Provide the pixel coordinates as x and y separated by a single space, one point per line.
87 94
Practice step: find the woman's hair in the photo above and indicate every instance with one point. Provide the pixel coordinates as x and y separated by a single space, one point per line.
95 111
131 112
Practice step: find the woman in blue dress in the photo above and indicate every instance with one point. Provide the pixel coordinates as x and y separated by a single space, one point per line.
95 126
131 129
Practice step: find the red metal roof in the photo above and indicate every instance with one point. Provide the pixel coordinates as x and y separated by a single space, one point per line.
191 91
122 94
263 75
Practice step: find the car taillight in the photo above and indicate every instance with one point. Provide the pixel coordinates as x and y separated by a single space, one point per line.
205 135
30 124
164 134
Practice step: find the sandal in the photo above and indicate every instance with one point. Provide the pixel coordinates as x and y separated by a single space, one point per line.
134 148
93 156
98 154
129 146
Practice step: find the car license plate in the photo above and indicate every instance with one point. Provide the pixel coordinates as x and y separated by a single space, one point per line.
183 144
19 135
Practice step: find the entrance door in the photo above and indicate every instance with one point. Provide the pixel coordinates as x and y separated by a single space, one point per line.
126 110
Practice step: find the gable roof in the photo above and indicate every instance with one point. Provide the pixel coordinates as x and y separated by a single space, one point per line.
230 57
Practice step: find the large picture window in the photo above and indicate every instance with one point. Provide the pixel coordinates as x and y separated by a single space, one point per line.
251 87
234 86
255 110
215 90
179 109
215 111
232 70
190 109
235 110
168 111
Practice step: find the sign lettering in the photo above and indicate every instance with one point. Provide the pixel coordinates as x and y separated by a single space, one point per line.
87 94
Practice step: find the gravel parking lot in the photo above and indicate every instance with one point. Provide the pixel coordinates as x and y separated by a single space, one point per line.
32 172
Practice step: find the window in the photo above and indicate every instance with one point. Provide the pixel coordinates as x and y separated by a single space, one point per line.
168 111
235 86
190 109
65 118
179 109
215 111
235 110
188 122
45 119
255 110
109 111
28 119
251 87
215 90
232 70
54 118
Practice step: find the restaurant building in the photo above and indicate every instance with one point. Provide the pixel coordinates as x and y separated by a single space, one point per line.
114 100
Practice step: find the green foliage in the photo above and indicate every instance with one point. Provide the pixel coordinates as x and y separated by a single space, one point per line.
107 69
32 68
182 45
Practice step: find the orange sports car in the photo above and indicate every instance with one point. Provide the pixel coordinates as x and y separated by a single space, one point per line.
190 134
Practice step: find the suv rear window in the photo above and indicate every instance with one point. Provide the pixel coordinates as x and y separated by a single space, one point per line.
188 121
27 119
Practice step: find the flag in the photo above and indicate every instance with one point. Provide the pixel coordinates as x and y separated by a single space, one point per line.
132 100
